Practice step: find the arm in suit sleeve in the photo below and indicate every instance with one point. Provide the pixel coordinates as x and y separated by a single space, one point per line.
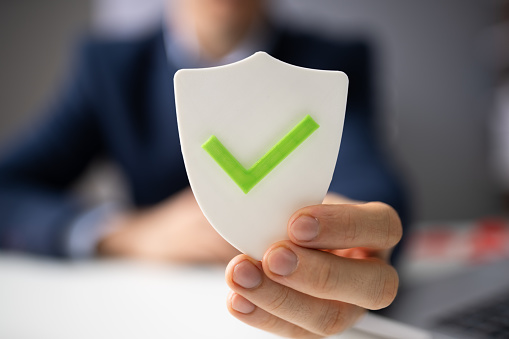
36 171
363 172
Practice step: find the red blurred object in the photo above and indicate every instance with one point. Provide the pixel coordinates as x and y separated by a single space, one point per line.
431 243
474 242
490 240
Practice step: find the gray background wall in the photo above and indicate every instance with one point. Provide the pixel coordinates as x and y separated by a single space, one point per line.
433 80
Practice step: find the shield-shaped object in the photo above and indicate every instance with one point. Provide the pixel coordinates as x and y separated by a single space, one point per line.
260 139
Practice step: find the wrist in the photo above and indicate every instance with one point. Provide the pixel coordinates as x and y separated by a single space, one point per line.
119 241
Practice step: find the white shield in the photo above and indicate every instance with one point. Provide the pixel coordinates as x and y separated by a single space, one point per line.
260 139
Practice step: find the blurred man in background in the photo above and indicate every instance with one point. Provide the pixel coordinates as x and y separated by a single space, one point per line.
119 103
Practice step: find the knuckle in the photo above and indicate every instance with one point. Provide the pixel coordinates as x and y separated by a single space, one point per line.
325 278
280 301
342 223
351 231
348 220
384 287
269 323
331 320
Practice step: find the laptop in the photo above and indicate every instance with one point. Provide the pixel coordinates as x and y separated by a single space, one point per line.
472 304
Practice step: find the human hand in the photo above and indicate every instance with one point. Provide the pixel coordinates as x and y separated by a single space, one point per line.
175 230
318 283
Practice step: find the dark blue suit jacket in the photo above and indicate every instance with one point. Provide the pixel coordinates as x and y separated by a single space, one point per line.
119 103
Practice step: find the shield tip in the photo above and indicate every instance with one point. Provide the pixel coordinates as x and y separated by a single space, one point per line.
261 55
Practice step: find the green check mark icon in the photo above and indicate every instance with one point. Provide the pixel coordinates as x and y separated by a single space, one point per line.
246 179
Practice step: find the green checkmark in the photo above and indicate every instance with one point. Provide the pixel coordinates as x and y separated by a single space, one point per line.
246 179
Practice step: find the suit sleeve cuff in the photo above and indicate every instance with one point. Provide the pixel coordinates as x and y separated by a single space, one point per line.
88 229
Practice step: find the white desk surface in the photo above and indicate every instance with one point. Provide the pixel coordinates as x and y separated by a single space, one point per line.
117 299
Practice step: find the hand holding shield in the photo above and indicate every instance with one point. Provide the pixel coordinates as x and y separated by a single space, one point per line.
322 280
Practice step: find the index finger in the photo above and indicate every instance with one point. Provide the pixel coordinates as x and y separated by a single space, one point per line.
373 225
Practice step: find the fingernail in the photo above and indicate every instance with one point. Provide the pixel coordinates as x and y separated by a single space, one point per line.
282 261
247 275
242 305
305 228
